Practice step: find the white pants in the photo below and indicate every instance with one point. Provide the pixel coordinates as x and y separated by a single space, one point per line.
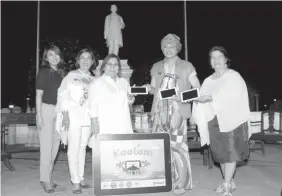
77 142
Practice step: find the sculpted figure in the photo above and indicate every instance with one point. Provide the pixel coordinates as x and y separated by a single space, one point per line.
112 31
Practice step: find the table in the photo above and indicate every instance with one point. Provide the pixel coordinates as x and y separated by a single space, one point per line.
14 118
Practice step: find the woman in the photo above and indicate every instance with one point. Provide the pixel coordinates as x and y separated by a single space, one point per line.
225 105
109 100
47 83
73 112
170 115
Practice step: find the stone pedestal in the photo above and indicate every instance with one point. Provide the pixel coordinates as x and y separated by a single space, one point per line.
126 72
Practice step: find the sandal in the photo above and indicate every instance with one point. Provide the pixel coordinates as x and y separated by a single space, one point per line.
83 185
228 189
179 192
233 186
47 187
54 185
76 190
221 188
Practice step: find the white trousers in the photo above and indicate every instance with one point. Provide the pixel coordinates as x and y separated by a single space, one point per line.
77 142
78 137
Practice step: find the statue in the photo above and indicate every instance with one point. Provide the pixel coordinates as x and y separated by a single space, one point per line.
112 31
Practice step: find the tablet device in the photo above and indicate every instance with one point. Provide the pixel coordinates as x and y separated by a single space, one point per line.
138 90
131 164
167 94
190 95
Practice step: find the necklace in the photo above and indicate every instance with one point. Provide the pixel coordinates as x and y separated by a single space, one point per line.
86 76
84 73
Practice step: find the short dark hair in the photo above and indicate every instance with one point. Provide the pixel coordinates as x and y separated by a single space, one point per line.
106 60
223 51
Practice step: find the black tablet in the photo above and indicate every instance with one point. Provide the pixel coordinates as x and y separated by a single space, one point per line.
190 95
167 94
131 164
138 90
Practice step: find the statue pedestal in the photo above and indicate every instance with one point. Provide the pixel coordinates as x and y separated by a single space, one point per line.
126 72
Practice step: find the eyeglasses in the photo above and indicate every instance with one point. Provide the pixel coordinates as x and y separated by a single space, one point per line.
112 64
88 58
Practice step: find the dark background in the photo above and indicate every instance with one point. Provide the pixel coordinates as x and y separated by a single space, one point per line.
250 31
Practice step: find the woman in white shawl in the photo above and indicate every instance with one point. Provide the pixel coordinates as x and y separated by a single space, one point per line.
222 114
73 121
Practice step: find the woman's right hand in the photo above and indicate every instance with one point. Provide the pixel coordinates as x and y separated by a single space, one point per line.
149 87
66 120
39 122
204 99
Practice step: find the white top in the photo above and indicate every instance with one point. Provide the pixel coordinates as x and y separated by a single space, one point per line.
72 97
109 102
73 91
230 102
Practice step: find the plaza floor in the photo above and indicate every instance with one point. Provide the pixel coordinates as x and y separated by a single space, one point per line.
262 176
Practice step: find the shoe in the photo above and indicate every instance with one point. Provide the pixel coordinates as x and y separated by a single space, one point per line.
83 185
54 185
76 190
47 187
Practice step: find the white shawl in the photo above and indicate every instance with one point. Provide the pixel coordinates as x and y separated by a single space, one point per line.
230 103
70 96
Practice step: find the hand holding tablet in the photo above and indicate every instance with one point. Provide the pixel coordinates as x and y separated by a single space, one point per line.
190 95
204 99
167 94
138 90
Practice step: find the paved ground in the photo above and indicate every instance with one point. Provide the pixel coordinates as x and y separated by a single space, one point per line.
262 176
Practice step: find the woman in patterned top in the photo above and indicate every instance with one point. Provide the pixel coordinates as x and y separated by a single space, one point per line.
73 116
170 115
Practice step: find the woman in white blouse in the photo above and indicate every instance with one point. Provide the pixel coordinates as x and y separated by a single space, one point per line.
73 116
109 100
222 113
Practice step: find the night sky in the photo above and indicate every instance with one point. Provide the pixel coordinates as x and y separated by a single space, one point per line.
250 31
